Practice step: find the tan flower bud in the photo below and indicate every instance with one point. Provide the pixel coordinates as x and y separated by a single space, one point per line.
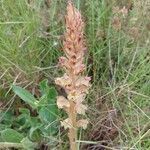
62 102
80 108
66 123
83 123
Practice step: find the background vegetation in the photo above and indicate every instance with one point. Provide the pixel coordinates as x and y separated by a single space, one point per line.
118 60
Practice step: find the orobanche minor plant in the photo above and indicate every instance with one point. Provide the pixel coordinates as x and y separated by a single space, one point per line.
73 81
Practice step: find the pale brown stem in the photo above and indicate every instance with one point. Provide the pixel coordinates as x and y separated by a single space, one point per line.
72 115
73 130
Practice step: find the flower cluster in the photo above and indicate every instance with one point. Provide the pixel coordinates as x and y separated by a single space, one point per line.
73 81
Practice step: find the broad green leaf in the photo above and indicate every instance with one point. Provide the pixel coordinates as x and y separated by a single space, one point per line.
43 86
35 121
48 98
50 112
28 145
10 135
24 111
26 96
7 117
23 121
43 101
24 116
50 129
52 94
48 116
3 127
35 133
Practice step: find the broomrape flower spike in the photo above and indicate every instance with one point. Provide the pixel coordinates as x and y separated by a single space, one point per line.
73 81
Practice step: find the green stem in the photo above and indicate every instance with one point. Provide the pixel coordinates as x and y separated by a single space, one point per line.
10 145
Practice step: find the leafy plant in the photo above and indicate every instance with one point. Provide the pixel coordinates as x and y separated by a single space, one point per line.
26 127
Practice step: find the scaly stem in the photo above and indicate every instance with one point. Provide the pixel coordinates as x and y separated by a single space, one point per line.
73 130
